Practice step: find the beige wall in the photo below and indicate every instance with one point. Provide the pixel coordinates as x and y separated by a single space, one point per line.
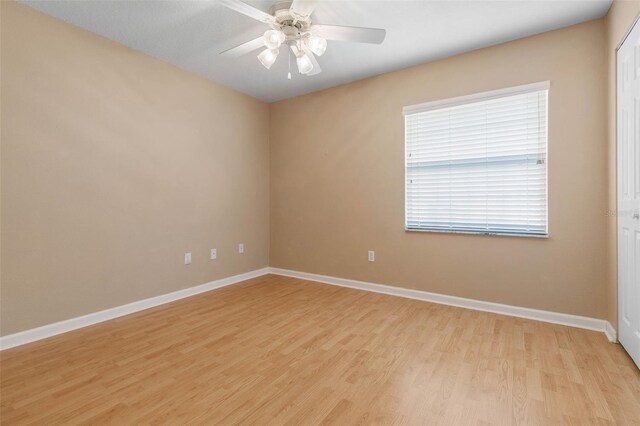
114 164
337 178
618 21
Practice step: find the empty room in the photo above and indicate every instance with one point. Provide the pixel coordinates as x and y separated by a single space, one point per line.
363 212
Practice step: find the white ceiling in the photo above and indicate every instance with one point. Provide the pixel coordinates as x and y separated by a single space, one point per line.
190 34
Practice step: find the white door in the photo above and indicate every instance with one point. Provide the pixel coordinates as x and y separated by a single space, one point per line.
628 112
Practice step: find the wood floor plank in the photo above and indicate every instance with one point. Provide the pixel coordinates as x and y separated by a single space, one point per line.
276 350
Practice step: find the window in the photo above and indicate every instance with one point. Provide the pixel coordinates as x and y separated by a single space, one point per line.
478 164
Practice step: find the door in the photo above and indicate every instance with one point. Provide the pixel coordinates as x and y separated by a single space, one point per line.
628 142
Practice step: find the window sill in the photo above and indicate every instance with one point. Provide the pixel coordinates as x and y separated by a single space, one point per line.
494 234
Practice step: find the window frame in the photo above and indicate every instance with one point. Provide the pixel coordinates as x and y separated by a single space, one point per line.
467 99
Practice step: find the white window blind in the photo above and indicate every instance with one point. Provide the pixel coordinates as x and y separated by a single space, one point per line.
478 163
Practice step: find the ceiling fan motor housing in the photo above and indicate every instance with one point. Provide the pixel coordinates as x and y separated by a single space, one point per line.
292 25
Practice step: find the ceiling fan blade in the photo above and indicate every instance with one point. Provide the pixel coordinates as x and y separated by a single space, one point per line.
248 10
244 48
355 34
316 66
303 8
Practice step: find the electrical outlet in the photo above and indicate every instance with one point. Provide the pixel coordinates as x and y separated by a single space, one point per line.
214 254
372 256
240 248
187 258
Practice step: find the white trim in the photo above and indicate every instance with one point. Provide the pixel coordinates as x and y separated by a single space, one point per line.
478 305
49 330
626 35
476 97
610 332
28 336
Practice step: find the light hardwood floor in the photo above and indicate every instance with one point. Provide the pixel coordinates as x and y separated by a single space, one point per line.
277 350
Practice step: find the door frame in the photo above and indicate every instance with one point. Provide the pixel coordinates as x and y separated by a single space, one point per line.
636 21
624 38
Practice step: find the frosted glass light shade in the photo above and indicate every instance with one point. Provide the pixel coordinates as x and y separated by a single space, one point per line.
317 45
273 39
304 64
267 57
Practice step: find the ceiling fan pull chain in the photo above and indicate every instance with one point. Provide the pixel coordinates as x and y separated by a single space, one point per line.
289 62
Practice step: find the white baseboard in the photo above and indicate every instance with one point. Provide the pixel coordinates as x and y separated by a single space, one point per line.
610 332
478 305
21 338
49 330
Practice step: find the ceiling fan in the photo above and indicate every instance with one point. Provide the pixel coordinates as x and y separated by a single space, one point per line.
291 24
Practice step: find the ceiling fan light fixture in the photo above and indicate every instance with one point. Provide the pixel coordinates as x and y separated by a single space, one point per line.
317 45
304 64
273 39
291 23
267 57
